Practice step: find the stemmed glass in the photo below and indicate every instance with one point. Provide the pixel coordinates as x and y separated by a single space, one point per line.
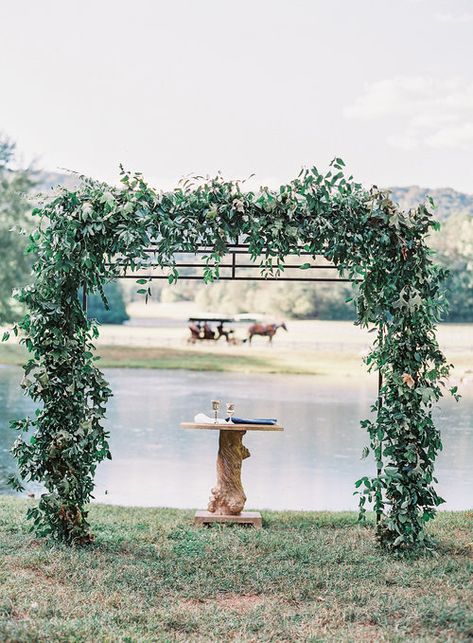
230 410
215 407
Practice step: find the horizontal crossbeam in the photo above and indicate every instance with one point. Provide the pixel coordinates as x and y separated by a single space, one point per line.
236 268
246 278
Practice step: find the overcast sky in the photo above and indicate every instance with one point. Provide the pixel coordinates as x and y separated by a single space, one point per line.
244 86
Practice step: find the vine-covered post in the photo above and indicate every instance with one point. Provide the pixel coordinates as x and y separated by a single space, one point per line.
379 468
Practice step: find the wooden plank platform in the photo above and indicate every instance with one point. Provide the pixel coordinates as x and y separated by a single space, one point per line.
202 518
229 426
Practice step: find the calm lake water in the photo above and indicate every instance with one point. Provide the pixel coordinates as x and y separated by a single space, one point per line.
312 465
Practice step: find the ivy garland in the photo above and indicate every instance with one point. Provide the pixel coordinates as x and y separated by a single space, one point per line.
79 237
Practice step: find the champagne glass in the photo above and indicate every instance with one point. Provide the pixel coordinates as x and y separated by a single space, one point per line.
215 407
230 410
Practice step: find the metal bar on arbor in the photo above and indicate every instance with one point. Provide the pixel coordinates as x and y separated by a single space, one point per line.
239 249
233 265
231 252
380 405
236 268
248 278
84 298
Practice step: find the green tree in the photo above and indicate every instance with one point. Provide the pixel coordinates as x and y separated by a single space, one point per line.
454 246
454 249
282 299
14 216
116 311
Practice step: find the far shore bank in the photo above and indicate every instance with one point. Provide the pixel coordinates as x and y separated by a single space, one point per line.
311 347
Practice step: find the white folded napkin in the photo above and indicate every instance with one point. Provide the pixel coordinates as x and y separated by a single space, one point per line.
201 418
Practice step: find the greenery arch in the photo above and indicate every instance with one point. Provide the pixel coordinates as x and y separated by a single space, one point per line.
362 231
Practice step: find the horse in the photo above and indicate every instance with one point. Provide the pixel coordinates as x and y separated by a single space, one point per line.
265 330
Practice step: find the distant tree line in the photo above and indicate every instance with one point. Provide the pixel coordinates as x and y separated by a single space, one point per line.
115 312
15 223
17 189
281 299
454 248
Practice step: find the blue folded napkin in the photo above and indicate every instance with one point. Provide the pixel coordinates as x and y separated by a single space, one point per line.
268 421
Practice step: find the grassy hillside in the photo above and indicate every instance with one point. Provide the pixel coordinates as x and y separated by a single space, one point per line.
47 181
448 201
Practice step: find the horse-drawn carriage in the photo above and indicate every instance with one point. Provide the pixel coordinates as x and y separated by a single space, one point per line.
204 329
212 328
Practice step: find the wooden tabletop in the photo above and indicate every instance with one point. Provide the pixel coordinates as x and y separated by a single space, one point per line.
230 426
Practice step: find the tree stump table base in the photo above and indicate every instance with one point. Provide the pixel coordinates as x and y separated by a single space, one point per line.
202 518
227 497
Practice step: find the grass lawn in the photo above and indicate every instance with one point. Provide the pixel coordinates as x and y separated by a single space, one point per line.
160 357
150 575
308 362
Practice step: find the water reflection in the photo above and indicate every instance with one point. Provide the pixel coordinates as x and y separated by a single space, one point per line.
312 465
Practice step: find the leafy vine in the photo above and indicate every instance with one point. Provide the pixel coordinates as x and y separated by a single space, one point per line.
79 237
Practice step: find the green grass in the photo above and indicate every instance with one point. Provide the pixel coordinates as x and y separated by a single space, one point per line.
296 362
150 575
12 354
175 358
